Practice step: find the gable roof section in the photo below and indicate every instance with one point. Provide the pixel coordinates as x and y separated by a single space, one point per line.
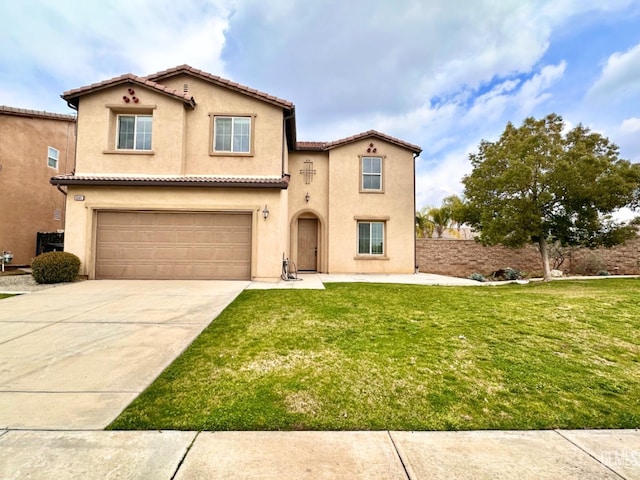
289 107
223 82
23 112
324 146
73 96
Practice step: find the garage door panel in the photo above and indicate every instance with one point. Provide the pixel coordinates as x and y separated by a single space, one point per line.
242 237
184 219
141 253
111 234
204 254
119 271
106 253
204 237
166 254
151 245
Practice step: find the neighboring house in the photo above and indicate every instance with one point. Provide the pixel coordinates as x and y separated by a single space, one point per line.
33 146
182 174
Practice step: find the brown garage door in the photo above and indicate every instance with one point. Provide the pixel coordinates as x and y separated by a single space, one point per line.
153 245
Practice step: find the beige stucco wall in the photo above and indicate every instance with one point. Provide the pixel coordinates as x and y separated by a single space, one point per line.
395 206
337 202
181 145
97 133
316 207
267 238
182 137
27 200
267 132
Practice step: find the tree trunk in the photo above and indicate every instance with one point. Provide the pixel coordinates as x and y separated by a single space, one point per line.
544 252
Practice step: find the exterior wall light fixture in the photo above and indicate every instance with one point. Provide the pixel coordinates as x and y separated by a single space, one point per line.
307 197
265 212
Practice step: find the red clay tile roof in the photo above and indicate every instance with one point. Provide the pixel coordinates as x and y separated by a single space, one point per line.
172 180
373 134
322 146
311 146
152 81
23 112
187 69
72 95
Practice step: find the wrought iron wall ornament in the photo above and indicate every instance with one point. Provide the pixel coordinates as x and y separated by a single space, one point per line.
308 172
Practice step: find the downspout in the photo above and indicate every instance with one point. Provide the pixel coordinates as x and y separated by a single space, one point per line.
284 140
415 241
66 166
75 148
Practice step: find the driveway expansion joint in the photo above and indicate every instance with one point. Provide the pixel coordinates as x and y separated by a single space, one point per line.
184 457
579 447
399 455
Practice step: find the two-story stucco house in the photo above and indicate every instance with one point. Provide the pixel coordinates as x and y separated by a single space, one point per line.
184 175
34 145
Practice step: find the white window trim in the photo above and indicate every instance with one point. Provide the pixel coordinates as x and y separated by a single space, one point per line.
135 132
50 157
370 254
212 139
380 175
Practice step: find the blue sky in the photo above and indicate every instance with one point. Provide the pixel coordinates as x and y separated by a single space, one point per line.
440 74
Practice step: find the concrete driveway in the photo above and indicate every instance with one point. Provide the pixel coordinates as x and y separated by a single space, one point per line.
73 357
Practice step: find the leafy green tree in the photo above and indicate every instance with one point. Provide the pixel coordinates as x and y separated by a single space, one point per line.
424 225
441 219
539 185
456 209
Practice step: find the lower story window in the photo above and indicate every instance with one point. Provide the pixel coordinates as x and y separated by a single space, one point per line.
371 238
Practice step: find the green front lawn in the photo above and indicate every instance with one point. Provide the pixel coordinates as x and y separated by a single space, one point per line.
400 357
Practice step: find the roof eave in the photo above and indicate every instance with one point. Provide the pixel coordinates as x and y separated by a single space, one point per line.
222 82
283 184
72 97
374 134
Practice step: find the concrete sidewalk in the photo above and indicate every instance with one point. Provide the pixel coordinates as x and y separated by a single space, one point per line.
579 455
316 281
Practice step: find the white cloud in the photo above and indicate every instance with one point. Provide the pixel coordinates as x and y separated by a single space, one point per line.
619 78
438 74
534 90
630 125
79 42
436 181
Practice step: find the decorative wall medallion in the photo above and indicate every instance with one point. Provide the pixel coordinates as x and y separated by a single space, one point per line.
308 172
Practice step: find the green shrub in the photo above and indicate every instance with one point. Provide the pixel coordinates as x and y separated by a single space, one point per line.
55 267
590 264
506 274
478 277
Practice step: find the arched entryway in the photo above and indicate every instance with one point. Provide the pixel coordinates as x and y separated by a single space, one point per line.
307 244
307 232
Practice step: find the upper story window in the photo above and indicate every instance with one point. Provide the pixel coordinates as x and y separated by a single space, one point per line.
52 157
371 169
134 132
232 134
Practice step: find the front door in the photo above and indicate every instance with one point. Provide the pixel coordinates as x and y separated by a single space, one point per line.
307 244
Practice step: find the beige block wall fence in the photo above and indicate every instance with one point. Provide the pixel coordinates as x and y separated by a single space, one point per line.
461 258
